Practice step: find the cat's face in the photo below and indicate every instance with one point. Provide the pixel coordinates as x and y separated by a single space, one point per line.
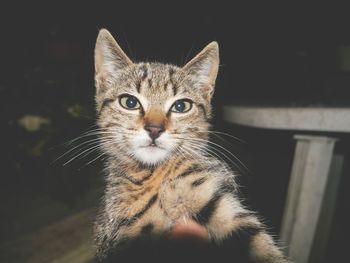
151 111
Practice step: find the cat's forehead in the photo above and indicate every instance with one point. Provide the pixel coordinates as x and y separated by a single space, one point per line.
155 81
155 71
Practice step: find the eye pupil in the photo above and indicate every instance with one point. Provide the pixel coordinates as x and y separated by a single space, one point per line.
131 102
180 106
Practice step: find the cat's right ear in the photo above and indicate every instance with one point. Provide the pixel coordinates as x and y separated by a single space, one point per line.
110 59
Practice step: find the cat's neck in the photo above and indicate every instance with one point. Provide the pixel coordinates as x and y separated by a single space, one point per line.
128 165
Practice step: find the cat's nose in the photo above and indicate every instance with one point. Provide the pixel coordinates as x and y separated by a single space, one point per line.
154 131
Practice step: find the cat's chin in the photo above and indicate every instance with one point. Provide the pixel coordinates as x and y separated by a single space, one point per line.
151 155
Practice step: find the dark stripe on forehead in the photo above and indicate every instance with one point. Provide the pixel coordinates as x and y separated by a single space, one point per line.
174 86
144 70
144 73
171 72
150 83
138 86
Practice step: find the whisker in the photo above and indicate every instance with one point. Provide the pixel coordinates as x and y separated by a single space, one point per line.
89 142
205 152
98 157
69 142
210 146
223 133
212 153
223 148
89 150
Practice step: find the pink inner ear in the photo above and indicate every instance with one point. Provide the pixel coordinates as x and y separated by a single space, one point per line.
204 68
109 56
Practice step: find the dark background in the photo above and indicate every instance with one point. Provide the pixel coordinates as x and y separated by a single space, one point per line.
271 54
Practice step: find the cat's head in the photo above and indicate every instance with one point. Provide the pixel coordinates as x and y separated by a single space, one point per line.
151 111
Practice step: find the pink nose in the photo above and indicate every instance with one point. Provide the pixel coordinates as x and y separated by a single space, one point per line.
154 131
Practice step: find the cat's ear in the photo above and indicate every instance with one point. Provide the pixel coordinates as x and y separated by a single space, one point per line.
203 69
110 59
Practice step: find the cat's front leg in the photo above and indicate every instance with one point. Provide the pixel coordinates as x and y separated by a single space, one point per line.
263 249
239 233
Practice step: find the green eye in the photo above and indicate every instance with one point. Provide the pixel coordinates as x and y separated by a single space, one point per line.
181 106
129 102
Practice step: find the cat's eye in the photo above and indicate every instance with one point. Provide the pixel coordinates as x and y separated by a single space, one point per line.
129 102
181 106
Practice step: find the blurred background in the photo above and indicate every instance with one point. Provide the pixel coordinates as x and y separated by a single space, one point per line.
271 54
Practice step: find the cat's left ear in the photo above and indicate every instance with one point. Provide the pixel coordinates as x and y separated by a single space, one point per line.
203 69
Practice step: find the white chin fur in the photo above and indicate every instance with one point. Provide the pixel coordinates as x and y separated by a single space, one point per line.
151 154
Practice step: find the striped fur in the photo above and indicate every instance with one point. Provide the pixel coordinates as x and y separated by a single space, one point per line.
146 194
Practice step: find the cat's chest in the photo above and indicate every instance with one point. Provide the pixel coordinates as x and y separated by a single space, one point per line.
173 197
181 198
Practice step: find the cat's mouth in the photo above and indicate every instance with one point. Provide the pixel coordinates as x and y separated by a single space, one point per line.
153 145
151 151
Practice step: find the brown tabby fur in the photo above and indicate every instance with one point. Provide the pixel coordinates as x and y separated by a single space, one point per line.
145 195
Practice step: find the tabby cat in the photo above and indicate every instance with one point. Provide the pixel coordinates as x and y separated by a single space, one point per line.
153 121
